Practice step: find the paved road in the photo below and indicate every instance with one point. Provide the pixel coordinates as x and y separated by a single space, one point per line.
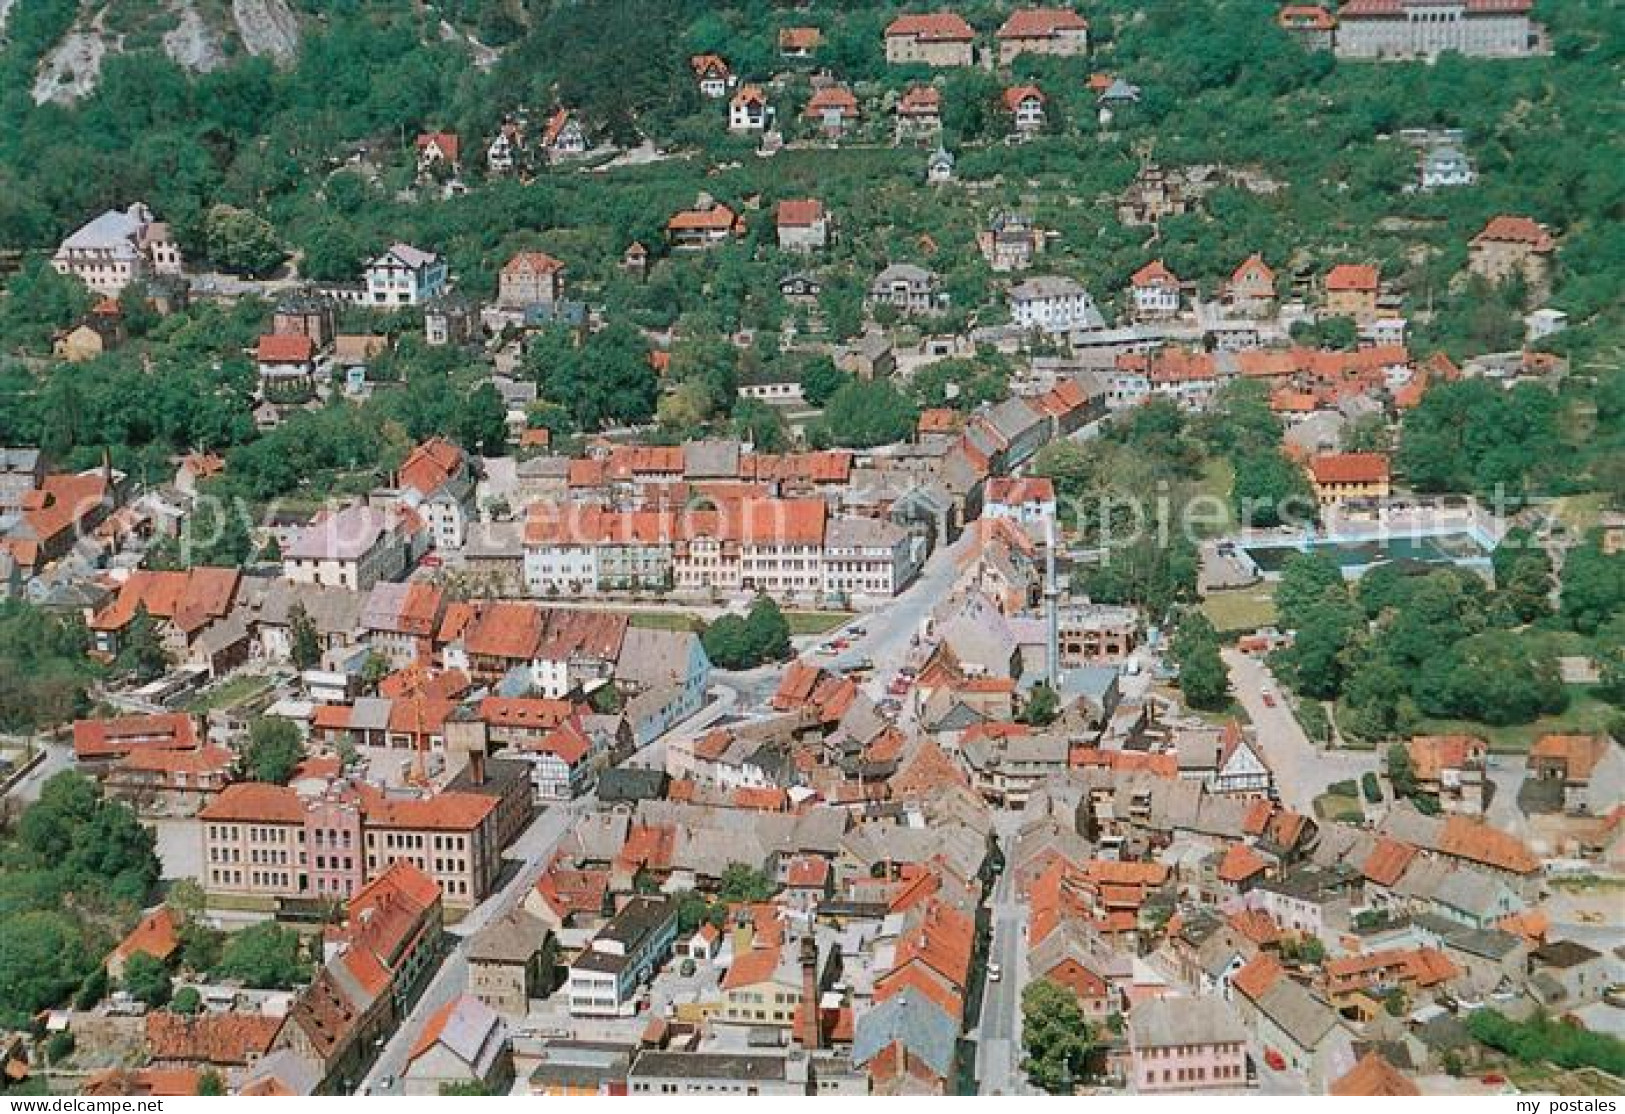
1302 771
58 757
998 1049
532 850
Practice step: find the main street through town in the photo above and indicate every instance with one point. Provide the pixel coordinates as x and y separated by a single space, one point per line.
889 632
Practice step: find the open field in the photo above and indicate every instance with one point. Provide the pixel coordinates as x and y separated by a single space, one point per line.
1241 609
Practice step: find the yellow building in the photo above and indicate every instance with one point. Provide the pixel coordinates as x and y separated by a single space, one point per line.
1340 477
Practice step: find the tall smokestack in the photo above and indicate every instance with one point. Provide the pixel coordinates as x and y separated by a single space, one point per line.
1052 593
811 1030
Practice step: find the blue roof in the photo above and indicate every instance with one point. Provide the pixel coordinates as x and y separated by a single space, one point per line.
915 1022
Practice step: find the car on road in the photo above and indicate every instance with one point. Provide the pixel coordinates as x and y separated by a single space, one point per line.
828 650
1269 699
994 972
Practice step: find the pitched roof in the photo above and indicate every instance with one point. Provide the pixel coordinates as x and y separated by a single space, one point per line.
157 934
800 213
1373 1077
1154 273
255 802
280 348
931 27
1240 863
1017 94
1352 276
447 143
1040 23
1516 230
226 1039
1349 468
1255 979
1475 841
110 738
532 262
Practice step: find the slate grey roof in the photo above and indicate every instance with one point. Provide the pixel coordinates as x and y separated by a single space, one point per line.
1297 1013
1161 1022
512 939
711 460
654 658
915 1022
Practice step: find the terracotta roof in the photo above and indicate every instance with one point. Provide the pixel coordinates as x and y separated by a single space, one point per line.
754 967
112 738
800 38
447 142
1431 755
1346 468
940 420
524 711
1015 490
255 802
224 1039
808 870
1579 753
1154 273
800 214
446 812
505 630
157 934
1387 861
1240 863
931 27
532 262
430 465
831 98
1352 276
1016 94
1255 979
1040 23
143 1082
1516 230
717 218
190 599
1253 265
920 100
1257 925
279 348
204 760
1306 17
708 65
749 94
1478 842
568 742
1373 1077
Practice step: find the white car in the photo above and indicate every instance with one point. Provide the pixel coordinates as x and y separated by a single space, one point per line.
994 972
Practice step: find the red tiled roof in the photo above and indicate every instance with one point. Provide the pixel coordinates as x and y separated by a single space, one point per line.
801 213
1373 1077
931 27
1347 468
1154 273
1579 753
1478 842
1240 863
920 100
279 348
1306 17
224 1039
754 967
1040 23
800 38
1255 979
831 98
532 262
111 738
1352 276
446 141
1516 230
1015 490
1016 94
718 218
708 65
430 465
1387 861
446 812
256 803
157 934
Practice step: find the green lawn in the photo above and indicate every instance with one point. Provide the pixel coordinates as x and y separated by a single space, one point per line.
1241 609
1337 806
666 620
237 690
815 622
1585 715
1217 476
